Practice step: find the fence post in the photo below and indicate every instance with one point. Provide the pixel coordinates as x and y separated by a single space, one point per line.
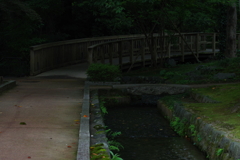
214 44
102 54
131 51
120 53
143 52
191 42
111 53
197 44
90 55
169 50
182 48
32 62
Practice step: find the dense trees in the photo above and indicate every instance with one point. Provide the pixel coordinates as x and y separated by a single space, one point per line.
30 22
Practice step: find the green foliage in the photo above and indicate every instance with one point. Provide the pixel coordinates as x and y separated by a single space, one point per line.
109 15
113 145
193 130
199 138
115 156
219 151
103 72
97 152
103 107
178 125
172 99
166 74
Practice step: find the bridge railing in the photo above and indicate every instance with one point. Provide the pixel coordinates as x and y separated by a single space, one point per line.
136 49
48 56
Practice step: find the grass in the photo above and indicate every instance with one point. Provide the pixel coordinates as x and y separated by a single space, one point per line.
178 74
221 114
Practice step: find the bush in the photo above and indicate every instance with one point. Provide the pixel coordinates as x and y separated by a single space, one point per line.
103 72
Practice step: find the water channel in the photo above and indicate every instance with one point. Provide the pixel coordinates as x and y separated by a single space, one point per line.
146 135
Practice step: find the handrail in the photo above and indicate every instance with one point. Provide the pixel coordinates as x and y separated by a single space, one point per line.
48 56
137 46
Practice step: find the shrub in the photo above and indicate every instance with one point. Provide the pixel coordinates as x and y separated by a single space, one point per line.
103 72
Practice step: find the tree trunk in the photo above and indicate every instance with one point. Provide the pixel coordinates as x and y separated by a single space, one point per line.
231 31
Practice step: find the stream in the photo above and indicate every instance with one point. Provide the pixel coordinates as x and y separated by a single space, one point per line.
146 135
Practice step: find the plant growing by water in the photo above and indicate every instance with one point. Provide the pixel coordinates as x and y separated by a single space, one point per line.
103 72
97 152
113 145
193 130
103 107
115 156
178 125
219 152
199 138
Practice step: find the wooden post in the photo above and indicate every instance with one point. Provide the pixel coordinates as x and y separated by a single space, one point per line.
143 52
111 53
32 61
182 49
197 44
95 54
191 42
90 55
131 51
120 50
102 54
205 41
214 44
169 50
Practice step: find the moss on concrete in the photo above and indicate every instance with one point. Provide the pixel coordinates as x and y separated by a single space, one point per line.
224 115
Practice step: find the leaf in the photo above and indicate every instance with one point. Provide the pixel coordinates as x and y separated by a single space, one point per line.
69 146
85 116
76 120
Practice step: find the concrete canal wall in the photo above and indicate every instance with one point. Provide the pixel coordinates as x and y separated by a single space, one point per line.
213 142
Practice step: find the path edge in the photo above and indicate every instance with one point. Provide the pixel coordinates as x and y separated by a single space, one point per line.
7 85
83 152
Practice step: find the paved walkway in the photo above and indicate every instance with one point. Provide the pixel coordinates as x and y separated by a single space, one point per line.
39 118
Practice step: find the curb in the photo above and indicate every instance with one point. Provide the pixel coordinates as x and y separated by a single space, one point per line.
83 152
7 85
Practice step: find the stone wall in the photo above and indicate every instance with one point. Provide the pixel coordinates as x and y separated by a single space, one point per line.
207 138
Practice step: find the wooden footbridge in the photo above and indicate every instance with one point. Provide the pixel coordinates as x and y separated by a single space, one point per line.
121 50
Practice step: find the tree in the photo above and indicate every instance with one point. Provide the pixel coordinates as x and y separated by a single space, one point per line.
231 26
231 30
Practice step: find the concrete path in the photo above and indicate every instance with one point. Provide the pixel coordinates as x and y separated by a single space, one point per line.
39 118
74 71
